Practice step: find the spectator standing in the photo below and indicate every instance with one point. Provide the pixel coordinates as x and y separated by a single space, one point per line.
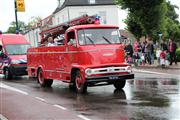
136 55
148 50
152 52
172 51
129 52
162 58
158 52
167 58
163 45
129 49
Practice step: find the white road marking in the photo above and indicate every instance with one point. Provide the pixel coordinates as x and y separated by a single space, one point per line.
41 99
12 89
83 117
2 117
61 107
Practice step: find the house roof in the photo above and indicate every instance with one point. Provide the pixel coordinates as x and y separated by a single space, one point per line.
83 3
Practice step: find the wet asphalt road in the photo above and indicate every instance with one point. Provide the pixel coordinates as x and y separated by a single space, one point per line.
147 97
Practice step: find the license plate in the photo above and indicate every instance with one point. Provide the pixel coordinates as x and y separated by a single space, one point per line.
113 77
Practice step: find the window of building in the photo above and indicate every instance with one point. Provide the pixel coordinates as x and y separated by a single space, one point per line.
63 18
58 20
92 1
103 19
82 13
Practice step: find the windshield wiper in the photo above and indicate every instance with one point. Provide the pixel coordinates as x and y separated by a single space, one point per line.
90 40
106 40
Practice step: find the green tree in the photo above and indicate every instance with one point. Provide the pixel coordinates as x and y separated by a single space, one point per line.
33 21
12 28
134 27
172 23
148 15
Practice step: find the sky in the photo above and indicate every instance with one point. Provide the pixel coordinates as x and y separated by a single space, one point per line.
42 8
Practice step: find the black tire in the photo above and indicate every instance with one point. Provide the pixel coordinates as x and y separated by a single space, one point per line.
7 74
119 84
42 81
80 87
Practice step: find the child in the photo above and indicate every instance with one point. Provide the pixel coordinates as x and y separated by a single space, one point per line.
167 58
162 59
142 59
158 52
129 59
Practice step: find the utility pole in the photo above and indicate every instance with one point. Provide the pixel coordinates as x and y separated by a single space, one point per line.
15 9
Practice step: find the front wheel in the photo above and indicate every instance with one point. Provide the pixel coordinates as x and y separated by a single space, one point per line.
42 81
81 87
7 74
119 84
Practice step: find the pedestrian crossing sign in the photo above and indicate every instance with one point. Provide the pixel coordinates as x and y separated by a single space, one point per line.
20 6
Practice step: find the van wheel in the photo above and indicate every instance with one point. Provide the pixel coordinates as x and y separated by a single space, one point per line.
119 84
80 86
42 81
7 74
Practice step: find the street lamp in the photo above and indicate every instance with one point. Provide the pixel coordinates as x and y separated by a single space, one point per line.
15 9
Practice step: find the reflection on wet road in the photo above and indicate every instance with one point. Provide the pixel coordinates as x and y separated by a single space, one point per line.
143 98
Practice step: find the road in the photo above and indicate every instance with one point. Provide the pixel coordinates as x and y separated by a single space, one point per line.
150 96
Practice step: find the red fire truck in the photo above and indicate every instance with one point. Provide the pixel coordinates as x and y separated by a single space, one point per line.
89 54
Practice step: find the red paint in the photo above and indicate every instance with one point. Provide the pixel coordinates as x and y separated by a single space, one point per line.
58 62
14 57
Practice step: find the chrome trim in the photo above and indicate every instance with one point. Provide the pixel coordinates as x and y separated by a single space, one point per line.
109 70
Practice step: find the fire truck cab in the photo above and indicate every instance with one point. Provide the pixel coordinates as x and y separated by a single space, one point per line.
90 55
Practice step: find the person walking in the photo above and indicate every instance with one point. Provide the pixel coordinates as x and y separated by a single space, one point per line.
172 51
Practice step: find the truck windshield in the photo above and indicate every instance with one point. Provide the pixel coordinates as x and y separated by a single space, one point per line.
20 49
99 36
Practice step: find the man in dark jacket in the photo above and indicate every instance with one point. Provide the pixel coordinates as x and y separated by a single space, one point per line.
172 50
164 46
129 49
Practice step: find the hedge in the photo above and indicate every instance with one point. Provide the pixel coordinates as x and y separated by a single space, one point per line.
178 54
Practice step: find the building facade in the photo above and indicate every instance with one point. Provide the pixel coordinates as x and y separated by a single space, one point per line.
67 10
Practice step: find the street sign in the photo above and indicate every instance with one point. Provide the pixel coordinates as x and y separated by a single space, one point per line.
20 5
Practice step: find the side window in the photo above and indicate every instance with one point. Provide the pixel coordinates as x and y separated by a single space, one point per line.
71 38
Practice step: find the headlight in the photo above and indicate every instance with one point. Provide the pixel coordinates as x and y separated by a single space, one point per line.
129 69
88 71
15 61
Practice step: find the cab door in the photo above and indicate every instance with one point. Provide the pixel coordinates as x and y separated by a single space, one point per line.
71 49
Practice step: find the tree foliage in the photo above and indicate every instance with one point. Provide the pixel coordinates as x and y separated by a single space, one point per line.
22 25
151 17
34 20
12 28
172 23
134 27
147 14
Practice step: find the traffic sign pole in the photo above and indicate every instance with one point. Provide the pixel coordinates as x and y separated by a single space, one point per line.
17 27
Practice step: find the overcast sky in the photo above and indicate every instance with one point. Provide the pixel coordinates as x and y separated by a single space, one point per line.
42 8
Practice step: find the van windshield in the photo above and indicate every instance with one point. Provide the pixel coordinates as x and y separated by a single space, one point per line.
20 49
99 36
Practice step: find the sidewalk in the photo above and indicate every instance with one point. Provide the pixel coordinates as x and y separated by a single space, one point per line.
173 69
156 66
